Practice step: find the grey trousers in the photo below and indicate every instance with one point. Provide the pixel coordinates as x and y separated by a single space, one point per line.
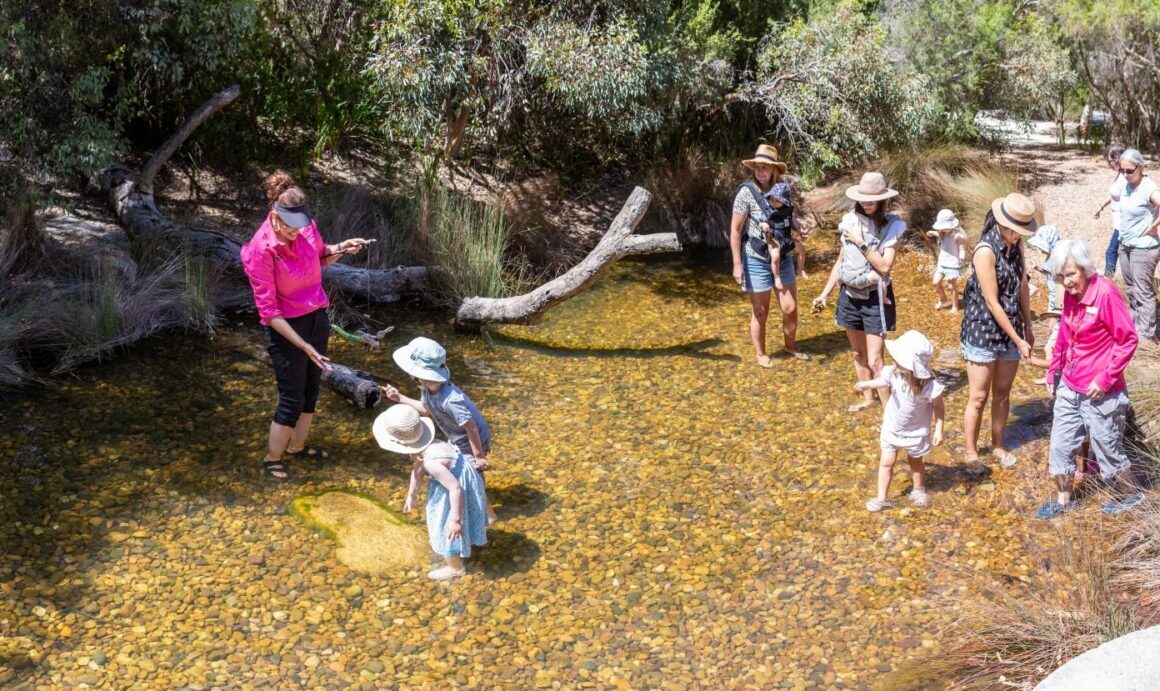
1139 267
1101 420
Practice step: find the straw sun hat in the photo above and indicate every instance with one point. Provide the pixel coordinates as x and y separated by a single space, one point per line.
768 155
871 188
400 429
1017 213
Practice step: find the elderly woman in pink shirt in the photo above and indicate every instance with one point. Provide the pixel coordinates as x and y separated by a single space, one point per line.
1096 341
284 261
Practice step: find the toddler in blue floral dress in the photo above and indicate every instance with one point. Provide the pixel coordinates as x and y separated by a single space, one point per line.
456 505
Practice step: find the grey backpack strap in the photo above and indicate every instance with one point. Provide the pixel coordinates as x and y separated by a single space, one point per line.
762 204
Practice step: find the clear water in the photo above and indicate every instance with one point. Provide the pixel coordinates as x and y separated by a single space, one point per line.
672 515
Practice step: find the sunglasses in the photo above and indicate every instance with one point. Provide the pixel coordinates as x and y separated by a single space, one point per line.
1129 171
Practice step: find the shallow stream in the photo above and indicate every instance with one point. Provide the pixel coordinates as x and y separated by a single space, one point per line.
672 515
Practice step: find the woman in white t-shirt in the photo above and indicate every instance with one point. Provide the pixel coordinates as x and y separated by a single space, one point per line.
1139 243
1115 191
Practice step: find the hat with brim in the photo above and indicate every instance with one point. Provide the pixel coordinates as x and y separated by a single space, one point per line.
768 155
401 429
1045 238
293 216
1016 212
911 351
946 220
871 188
423 358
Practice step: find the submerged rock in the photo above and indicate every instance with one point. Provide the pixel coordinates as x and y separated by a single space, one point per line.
371 538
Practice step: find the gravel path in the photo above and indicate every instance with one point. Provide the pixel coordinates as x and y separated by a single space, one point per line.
1070 184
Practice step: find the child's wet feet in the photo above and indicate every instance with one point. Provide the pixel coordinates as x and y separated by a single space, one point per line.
920 498
445 573
876 505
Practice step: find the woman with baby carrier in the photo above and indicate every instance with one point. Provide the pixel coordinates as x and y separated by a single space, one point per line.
751 257
869 236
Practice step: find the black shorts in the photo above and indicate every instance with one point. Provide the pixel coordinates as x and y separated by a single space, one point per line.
864 315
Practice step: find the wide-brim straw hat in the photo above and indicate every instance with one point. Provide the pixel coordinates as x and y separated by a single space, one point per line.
424 359
912 351
765 154
871 188
1016 212
402 430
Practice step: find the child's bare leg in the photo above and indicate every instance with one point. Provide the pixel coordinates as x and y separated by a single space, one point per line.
953 287
775 262
917 473
885 473
491 517
875 279
800 252
940 286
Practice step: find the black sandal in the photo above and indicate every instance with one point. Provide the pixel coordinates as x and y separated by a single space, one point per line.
312 453
276 470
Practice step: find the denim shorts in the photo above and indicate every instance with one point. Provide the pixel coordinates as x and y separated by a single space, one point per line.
952 273
985 356
759 275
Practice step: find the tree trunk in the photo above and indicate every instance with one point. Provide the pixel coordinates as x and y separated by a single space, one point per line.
618 242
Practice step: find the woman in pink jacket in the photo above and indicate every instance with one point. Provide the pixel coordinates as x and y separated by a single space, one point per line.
1086 377
284 261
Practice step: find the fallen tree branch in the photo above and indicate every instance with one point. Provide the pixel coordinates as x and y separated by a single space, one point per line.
162 155
618 242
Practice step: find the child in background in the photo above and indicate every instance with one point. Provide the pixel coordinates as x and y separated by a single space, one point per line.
952 252
1044 240
456 415
456 504
916 399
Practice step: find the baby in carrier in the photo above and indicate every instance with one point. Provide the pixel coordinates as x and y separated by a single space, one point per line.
777 228
857 274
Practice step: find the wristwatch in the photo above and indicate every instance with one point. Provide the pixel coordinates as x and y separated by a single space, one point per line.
863 247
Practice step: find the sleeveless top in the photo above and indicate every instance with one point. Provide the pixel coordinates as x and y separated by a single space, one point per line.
979 328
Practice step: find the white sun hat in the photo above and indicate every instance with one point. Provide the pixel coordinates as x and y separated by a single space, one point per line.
912 351
946 220
401 429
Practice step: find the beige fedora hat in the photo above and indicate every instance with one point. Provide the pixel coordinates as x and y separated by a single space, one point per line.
401 429
1016 212
765 154
871 188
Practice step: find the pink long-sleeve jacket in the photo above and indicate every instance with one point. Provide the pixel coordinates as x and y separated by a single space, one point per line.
286 279
1096 338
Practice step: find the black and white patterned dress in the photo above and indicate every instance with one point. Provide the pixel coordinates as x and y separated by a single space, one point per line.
979 328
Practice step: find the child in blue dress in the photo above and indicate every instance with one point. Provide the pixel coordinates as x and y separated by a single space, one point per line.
454 412
456 505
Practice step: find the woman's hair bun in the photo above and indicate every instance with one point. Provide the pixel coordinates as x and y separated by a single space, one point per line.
276 183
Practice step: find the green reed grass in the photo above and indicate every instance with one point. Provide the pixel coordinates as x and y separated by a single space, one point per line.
465 240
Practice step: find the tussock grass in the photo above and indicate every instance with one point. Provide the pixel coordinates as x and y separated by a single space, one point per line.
83 306
694 197
1015 641
465 240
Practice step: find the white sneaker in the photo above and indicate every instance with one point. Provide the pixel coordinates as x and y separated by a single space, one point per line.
876 505
920 498
445 573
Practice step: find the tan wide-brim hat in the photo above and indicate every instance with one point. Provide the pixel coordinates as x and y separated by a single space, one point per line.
765 154
401 429
871 188
1017 213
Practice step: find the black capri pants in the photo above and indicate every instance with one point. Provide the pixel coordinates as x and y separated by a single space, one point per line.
298 377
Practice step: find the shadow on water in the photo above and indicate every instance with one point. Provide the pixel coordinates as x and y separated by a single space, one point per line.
518 500
506 554
943 478
692 349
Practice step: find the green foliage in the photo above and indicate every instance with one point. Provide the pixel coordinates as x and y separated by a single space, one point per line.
830 90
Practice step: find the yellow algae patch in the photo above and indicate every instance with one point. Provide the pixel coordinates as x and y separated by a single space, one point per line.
371 538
